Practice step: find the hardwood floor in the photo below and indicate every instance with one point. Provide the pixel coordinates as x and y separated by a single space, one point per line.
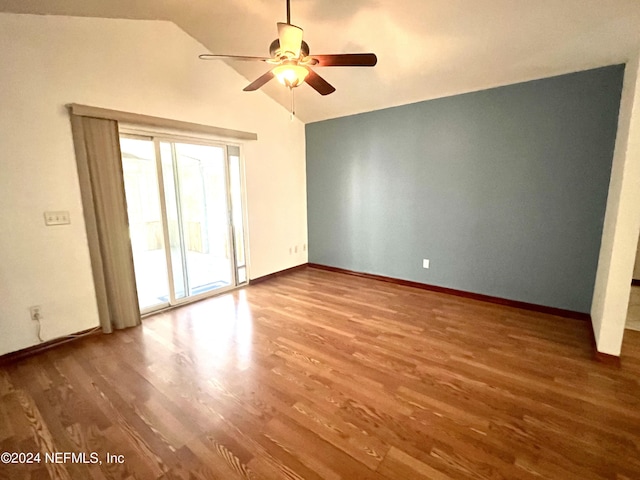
320 375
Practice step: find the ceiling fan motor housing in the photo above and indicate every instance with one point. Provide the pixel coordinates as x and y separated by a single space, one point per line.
274 49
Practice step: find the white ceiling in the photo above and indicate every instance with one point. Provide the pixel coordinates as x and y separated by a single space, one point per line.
426 48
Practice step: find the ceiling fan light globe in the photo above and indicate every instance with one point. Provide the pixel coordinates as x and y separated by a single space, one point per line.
290 75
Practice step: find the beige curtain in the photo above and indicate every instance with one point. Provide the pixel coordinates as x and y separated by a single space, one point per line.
97 147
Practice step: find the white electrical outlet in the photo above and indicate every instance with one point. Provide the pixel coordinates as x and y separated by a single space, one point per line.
295 249
57 218
425 263
36 313
304 247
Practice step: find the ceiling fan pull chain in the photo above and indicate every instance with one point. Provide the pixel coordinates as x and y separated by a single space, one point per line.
293 104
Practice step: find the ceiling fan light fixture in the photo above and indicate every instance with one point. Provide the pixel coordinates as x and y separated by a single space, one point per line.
290 75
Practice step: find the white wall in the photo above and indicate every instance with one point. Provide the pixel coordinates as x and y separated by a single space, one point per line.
621 223
146 67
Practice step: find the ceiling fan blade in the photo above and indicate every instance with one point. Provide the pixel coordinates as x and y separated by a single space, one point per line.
210 56
259 82
290 38
318 83
346 60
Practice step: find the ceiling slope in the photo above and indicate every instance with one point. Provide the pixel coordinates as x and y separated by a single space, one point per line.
426 48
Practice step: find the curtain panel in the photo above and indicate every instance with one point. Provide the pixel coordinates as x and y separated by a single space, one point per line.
97 147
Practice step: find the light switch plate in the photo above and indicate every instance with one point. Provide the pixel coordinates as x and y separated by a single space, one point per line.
57 218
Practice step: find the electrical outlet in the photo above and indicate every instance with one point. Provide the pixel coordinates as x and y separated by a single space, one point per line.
295 249
290 250
304 247
36 313
57 218
425 263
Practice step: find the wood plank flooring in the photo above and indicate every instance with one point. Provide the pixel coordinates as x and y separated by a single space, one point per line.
320 375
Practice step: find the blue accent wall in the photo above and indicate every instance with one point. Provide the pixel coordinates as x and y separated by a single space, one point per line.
503 190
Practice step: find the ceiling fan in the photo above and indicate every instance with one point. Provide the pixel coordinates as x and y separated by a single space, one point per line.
292 61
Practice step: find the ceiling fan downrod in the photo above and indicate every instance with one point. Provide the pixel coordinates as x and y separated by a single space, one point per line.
288 12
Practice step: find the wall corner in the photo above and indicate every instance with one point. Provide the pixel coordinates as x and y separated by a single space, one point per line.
621 223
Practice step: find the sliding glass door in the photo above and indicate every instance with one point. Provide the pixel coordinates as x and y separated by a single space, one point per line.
186 218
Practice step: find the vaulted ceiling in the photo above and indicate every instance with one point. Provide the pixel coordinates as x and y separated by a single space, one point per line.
426 48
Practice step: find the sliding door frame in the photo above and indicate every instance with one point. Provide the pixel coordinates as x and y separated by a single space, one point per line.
157 136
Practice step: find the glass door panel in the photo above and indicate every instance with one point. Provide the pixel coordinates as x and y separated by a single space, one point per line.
145 221
203 203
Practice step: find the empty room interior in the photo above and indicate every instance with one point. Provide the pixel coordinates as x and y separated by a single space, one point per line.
295 239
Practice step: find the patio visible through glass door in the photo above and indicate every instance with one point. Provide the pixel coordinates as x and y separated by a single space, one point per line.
201 230
145 222
198 213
